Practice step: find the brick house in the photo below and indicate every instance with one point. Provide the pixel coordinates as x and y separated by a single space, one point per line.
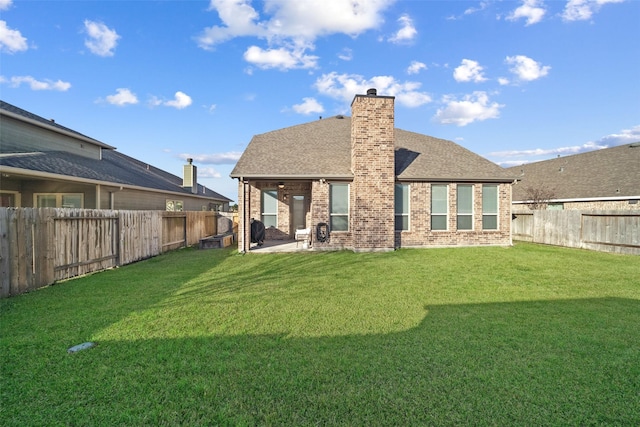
364 185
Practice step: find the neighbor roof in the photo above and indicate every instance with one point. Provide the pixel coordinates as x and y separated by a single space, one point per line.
607 173
114 168
322 149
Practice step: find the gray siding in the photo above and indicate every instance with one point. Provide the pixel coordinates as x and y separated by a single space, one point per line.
16 136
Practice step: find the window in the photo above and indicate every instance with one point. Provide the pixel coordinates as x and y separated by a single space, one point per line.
439 207
402 207
174 205
59 200
465 207
339 207
9 199
489 207
270 208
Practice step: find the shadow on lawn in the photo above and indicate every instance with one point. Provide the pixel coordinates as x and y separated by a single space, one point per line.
568 362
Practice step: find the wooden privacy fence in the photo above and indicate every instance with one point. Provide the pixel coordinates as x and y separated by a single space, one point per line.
606 231
43 245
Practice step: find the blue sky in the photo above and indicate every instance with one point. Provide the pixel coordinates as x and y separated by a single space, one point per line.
514 81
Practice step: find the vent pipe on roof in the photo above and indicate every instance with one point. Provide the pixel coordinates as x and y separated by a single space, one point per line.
372 92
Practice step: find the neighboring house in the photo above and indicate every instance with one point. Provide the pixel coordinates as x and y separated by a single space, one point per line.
370 186
43 164
602 179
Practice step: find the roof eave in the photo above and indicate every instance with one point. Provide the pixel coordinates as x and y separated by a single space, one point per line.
290 177
456 179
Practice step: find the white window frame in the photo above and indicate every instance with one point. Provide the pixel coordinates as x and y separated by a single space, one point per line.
465 214
274 194
403 214
440 214
332 214
488 213
58 197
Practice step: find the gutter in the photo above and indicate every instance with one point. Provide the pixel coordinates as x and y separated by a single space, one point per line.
459 179
299 177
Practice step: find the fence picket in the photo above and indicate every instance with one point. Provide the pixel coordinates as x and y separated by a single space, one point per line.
41 245
607 231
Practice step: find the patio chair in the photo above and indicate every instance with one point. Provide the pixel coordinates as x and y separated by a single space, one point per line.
303 235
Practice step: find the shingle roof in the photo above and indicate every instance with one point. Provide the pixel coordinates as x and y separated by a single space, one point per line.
322 149
610 172
114 168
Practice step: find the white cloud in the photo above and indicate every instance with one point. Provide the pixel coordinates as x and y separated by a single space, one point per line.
583 10
503 81
309 106
281 58
530 10
345 86
415 67
469 71
405 34
5 4
34 84
474 107
208 173
102 39
181 100
11 41
346 54
549 152
286 23
227 158
122 97
526 69
472 10
626 136
297 20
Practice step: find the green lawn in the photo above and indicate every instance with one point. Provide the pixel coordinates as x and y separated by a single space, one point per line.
527 335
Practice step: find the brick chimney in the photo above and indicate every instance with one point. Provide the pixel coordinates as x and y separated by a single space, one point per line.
190 176
372 164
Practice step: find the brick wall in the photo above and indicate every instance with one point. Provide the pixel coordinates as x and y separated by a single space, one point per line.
320 214
420 233
372 163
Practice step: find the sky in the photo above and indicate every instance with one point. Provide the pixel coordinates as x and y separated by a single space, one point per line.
163 81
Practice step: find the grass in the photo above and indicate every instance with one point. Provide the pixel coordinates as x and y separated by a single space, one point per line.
527 335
